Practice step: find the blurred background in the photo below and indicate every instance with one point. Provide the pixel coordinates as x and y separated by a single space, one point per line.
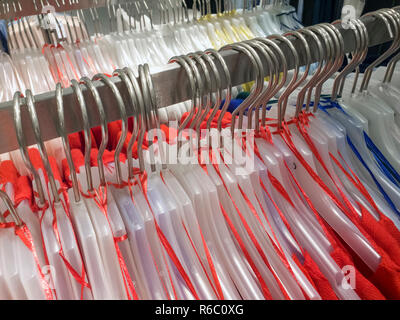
311 12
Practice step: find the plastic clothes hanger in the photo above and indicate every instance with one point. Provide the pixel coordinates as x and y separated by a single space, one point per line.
268 155
200 41
105 238
25 60
25 214
187 175
146 269
348 159
252 22
10 78
380 116
287 18
164 274
360 32
266 98
62 283
299 109
75 57
386 90
239 24
269 56
199 196
324 204
114 218
267 24
9 264
168 179
273 16
163 208
324 164
234 26
201 34
69 244
134 101
79 213
26 283
369 168
62 65
234 187
216 32
149 215
94 55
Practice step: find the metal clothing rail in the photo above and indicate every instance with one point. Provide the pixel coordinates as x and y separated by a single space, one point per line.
14 9
171 85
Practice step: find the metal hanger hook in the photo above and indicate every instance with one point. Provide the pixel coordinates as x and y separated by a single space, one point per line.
86 131
124 122
40 144
11 209
192 82
67 149
228 80
104 126
23 147
134 103
259 79
368 72
142 123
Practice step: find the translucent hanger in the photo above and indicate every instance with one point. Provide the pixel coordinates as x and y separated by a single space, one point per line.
222 236
381 116
358 55
79 213
273 159
325 169
336 218
333 271
250 52
26 283
133 211
10 259
93 53
214 225
123 199
386 90
356 133
274 168
165 209
68 240
62 281
114 216
158 278
276 86
101 224
190 176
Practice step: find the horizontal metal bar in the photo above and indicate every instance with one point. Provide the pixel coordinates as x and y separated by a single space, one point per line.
171 86
10 9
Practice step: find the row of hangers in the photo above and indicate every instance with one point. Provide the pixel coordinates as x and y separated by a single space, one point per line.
202 230
73 51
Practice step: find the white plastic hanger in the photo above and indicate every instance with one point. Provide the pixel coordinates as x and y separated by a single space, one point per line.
79 212
20 266
62 283
324 204
287 209
67 235
380 116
